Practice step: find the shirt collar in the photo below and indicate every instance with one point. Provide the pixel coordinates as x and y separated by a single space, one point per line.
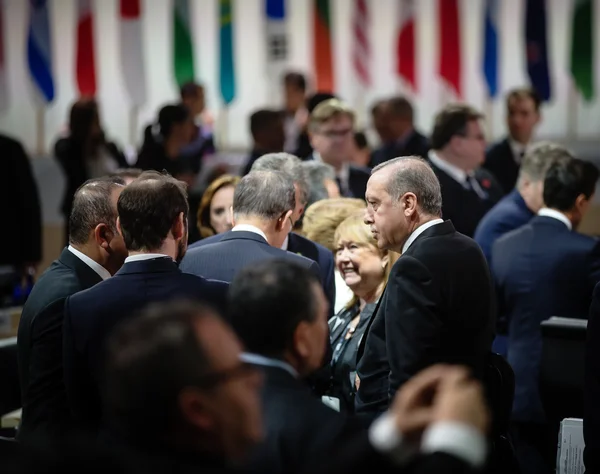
554 214
286 242
518 149
249 228
343 174
418 231
454 171
145 256
258 359
99 269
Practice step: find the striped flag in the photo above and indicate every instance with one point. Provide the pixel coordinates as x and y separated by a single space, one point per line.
490 48
322 48
277 38
405 47
582 48
3 74
449 51
86 68
361 51
537 48
226 65
132 51
183 49
39 54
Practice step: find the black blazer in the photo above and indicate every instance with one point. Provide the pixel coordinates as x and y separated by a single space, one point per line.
591 389
437 308
500 161
39 345
417 144
222 260
357 182
465 208
91 315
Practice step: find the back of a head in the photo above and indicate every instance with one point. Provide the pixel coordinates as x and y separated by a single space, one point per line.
149 208
267 302
267 195
82 116
401 107
317 98
316 173
412 174
286 163
450 121
148 365
263 120
127 173
539 158
567 180
93 205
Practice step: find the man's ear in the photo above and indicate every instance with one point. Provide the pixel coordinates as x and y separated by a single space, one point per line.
409 202
284 221
231 218
178 229
301 340
119 226
103 235
192 405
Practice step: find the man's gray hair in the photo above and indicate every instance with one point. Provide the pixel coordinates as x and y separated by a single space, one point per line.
264 194
413 174
93 205
289 164
538 160
316 173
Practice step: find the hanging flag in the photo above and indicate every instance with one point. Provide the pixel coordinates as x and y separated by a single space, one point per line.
39 54
227 65
322 48
537 47
277 38
183 54
405 47
86 68
490 48
449 51
132 51
361 47
3 73
582 48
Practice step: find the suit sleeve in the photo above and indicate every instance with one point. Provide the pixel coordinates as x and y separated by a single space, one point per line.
595 265
329 285
591 390
412 326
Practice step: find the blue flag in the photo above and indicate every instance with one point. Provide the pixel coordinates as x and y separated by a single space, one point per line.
226 65
39 54
537 48
490 48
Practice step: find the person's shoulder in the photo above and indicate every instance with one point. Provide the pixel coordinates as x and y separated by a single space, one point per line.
360 170
498 148
206 241
7 141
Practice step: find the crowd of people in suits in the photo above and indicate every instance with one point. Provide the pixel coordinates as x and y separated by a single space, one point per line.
329 310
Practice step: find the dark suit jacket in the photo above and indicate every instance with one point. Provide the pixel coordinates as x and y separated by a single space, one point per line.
415 144
500 161
541 270
509 214
437 308
39 345
254 155
20 207
357 182
591 391
91 315
463 207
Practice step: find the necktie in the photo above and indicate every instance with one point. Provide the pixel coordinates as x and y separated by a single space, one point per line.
471 184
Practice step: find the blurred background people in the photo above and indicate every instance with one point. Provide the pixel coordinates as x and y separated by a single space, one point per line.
214 214
361 152
321 181
295 88
268 135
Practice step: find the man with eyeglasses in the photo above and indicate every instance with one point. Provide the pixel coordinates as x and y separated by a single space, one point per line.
458 151
331 132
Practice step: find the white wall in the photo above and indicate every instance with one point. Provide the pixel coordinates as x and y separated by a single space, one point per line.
565 117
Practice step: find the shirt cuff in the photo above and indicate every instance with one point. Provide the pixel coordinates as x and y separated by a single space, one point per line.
460 440
386 438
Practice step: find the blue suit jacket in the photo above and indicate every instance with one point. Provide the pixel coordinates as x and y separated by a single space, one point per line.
91 315
510 213
298 244
541 270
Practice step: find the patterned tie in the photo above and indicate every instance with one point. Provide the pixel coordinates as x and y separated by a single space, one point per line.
471 184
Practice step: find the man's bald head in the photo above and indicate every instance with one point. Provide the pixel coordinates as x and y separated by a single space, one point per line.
411 174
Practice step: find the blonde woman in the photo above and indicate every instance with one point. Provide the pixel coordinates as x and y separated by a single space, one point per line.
365 269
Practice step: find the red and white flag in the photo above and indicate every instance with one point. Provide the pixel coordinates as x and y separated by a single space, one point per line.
86 64
132 51
3 74
449 51
405 48
361 47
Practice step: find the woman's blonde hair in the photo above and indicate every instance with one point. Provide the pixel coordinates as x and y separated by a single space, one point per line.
322 218
355 230
203 215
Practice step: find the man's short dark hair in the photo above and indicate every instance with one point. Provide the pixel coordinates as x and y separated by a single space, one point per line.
566 180
267 301
296 80
379 107
125 173
264 194
263 119
149 208
450 121
401 107
524 93
151 358
189 89
360 139
315 99
92 205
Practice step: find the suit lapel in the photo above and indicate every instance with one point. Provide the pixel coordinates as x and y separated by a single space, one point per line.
361 345
85 274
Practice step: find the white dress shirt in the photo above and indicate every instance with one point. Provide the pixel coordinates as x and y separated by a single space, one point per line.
554 214
145 256
258 359
249 228
459 175
418 231
286 242
99 269
518 149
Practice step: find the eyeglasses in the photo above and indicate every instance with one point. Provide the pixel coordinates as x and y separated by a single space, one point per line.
244 369
336 133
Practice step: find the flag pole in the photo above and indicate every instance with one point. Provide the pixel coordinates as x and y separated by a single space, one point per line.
41 130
